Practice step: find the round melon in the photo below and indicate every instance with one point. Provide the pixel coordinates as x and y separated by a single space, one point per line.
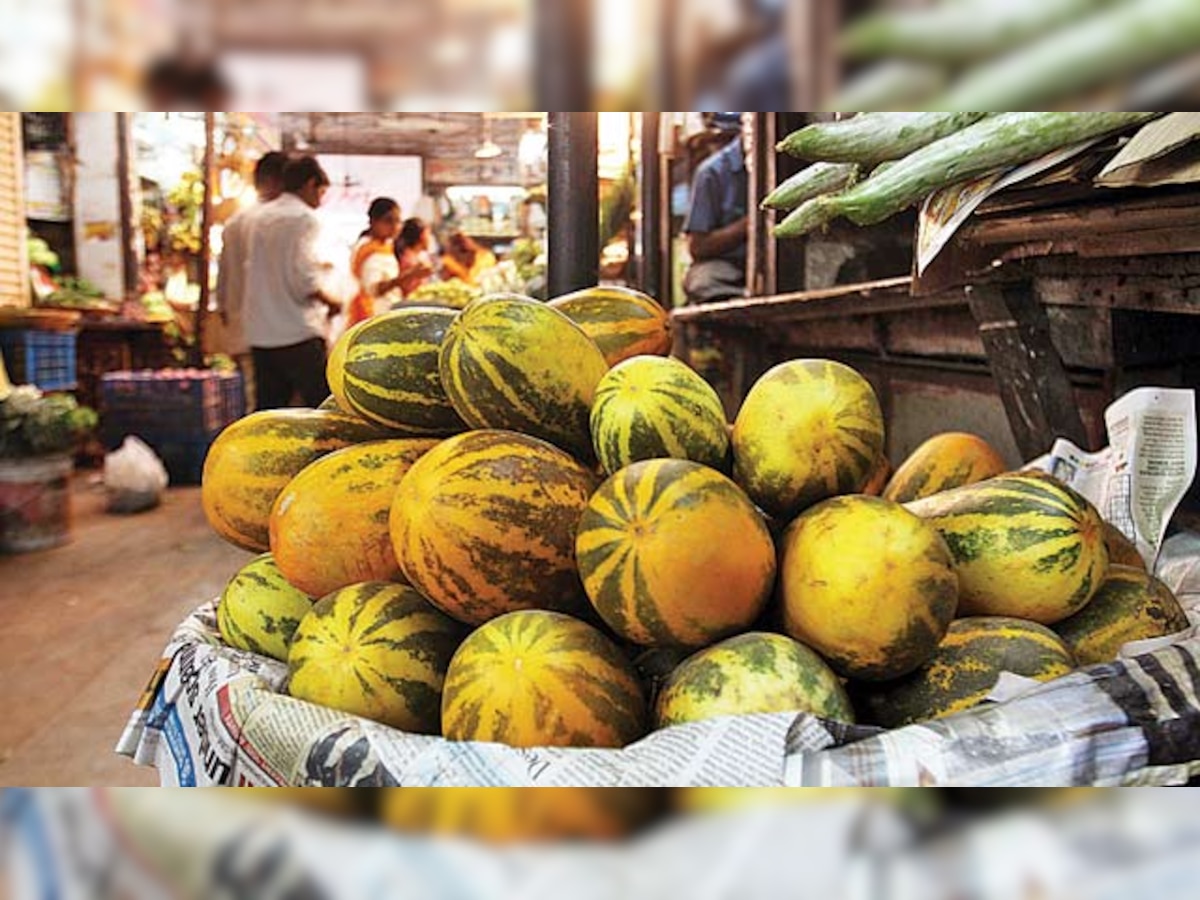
485 524
868 585
259 610
1131 605
391 371
964 669
673 553
516 364
542 679
809 429
756 672
621 321
1121 550
943 462
519 815
254 458
376 650
1023 545
335 367
329 525
651 407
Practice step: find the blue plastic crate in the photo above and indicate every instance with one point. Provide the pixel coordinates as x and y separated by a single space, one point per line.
169 405
42 358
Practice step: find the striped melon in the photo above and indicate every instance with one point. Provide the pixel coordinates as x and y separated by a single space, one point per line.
943 462
259 610
514 363
964 669
535 678
254 458
391 371
518 815
622 322
1121 550
650 407
376 650
809 429
1130 605
673 553
754 672
335 367
868 585
329 526
1023 545
485 524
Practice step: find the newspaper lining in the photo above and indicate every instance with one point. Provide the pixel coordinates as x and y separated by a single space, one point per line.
1138 480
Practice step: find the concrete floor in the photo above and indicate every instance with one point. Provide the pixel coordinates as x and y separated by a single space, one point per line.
82 627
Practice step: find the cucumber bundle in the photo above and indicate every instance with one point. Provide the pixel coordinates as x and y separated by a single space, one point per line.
991 144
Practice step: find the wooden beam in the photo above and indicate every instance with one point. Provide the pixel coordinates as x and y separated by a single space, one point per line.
1027 368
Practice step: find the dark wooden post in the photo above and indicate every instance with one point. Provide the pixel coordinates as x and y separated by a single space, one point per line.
1028 370
206 215
573 234
650 199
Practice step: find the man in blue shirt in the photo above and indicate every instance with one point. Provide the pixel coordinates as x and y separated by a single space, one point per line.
717 222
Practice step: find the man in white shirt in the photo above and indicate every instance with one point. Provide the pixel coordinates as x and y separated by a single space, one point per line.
287 311
231 274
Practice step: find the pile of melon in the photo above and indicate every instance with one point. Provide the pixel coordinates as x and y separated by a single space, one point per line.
525 523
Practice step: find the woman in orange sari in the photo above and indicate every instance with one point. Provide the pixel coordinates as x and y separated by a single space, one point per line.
373 263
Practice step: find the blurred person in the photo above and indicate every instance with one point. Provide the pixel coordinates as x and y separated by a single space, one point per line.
373 262
717 221
287 310
413 254
465 259
231 271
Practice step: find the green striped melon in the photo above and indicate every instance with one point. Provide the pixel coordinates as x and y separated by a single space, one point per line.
650 407
943 462
809 429
335 367
391 371
1023 545
622 322
963 670
754 672
1131 605
535 678
254 458
376 650
673 553
329 526
868 585
516 364
259 610
485 524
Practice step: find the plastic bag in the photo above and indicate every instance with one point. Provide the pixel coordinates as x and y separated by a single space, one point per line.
134 477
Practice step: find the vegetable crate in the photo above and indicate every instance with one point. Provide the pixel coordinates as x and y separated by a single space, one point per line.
42 358
177 412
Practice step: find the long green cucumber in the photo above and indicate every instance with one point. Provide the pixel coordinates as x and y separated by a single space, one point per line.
1103 50
811 181
871 138
998 142
808 216
961 32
